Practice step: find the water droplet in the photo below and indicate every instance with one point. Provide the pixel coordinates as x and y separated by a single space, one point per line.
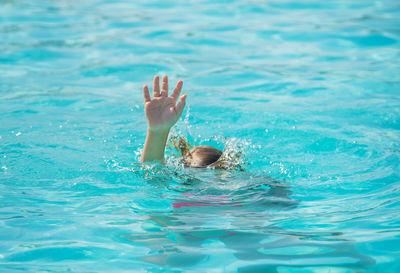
18 134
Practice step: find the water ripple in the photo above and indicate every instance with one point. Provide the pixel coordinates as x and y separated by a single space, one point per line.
306 91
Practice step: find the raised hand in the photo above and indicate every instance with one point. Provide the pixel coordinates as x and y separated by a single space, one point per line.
162 112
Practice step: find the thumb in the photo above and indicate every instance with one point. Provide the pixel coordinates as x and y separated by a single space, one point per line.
181 104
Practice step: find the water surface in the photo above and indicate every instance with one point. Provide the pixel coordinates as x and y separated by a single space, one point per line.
308 91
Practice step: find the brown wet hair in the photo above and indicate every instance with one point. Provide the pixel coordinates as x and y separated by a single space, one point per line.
202 156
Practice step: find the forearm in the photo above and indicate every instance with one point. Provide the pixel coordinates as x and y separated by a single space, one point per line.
154 146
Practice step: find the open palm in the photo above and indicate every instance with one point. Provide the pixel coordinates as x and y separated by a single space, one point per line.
162 112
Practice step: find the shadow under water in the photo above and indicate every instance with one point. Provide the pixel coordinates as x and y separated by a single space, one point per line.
235 216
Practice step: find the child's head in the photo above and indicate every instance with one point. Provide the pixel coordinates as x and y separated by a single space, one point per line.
202 156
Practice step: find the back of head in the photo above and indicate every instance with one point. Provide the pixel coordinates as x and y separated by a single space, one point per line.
202 156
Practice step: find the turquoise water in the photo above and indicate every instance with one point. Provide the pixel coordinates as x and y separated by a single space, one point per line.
308 91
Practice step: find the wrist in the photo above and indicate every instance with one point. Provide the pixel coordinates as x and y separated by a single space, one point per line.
158 130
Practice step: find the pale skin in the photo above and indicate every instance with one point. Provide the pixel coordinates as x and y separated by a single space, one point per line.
162 112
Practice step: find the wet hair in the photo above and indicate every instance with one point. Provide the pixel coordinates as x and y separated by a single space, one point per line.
202 156
198 157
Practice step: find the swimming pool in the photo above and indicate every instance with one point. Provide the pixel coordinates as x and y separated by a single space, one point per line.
308 91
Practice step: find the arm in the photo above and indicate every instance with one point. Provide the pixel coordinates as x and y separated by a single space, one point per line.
162 113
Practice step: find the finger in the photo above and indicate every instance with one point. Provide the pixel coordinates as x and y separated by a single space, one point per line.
156 86
177 90
164 86
181 105
146 94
